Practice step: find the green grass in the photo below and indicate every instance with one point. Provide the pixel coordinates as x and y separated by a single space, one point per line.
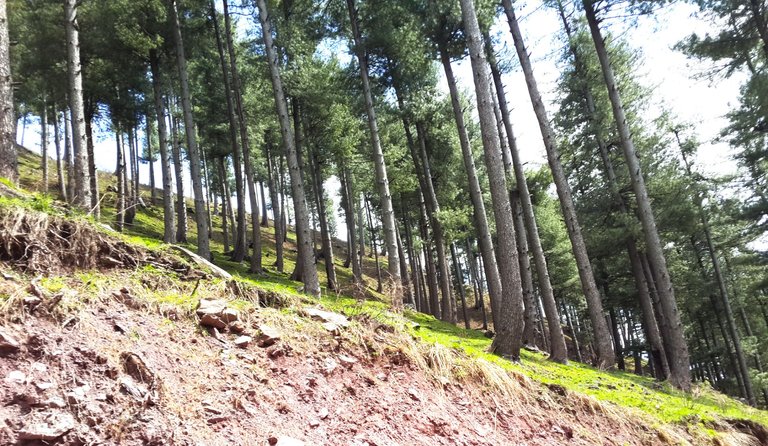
656 401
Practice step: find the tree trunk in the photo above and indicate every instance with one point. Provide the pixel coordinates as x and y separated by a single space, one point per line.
605 355
264 216
120 173
92 173
274 199
325 235
44 144
387 212
238 253
224 202
374 248
151 161
509 332
460 284
8 160
558 351
208 194
679 368
165 162
349 217
68 158
418 292
529 315
203 248
59 160
485 241
438 232
311 284
181 206
82 194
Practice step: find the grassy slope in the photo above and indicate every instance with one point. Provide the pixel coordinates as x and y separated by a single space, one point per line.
641 396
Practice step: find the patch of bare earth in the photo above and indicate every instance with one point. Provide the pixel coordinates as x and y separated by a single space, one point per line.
113 374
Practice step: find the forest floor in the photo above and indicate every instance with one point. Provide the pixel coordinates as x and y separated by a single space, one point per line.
113 349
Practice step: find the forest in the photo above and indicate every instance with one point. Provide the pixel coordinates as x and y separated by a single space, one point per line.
329 118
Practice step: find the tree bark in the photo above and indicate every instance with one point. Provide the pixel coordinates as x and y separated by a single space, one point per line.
82 194
68 158
224 205
165 162
59 159
44 143
680 366
8 157
387 212
325 235
93 178
238 253
311 284
460 284
349 218
203 248
605 355
558 351
274 199
120 173
264 216
483 232
509 332
151 161
181 206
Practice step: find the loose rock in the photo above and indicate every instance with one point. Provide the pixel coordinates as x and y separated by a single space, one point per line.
347 361
269 336
285 441
8 344
243 341
328 316
47 427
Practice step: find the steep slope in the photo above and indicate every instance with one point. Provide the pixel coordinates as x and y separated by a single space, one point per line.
96 351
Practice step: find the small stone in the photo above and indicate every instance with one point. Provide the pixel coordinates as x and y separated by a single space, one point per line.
9 277
331 327
414 394
327 316
347 361
39 367
8 344
314 423
236 327
211 306
330 366
16 376
381 376
212 320
243 341
230 315
322 413
43 385
48 427
269 336
54 402
32 301
217 419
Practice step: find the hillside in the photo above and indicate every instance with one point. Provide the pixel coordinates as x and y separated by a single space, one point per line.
102 341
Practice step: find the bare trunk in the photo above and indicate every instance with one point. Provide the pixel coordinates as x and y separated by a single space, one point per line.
151 161
387 212
325 235
82 193
460 283
680 375
120 174
349 216
93 177
476 194
264 216
311 284
68 158
203 248
275 200
181 206
165 162
605 356
8 161
374 248
44 143
510 329
59 159
224 204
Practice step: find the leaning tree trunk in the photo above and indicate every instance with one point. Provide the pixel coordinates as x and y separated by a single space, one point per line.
237 91
304 238
44 144
82 192
509 332
680 375
8 166
558 351
203 248
485 241
238 253
165 162
605 355
181 206
59 160
277 217
387 212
